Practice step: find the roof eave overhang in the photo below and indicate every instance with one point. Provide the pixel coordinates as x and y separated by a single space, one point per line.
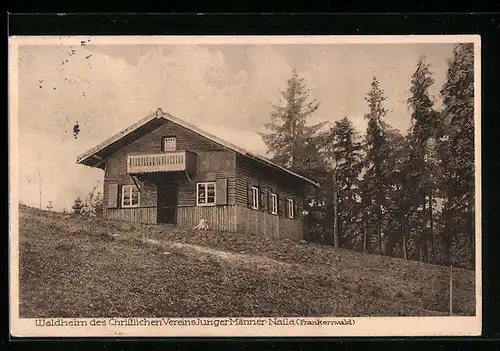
93 156
275 166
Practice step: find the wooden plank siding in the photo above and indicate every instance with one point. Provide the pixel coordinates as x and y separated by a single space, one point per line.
220 218
213 162
148 191
250 173
138 214
210 166
116 164
269 225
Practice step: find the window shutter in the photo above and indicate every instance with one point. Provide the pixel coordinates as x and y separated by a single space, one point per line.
269 202
280 207
249 194
286 207
112 195
262 200
120 195
221 192
296 213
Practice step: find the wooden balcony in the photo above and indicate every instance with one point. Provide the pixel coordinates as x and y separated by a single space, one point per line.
173 161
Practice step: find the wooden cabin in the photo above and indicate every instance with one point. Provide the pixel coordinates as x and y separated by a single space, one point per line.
164 170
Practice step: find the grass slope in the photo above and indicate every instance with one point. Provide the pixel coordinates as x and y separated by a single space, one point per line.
83 267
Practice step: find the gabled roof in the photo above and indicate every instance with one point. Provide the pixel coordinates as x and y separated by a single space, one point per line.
94 156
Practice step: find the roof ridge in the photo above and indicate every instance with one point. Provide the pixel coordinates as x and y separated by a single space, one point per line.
160 114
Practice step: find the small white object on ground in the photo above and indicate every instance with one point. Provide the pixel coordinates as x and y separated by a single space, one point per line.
202 225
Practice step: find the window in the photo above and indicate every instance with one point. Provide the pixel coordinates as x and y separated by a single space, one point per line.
169 144
205 194
274 204
255 198
130 196
291 207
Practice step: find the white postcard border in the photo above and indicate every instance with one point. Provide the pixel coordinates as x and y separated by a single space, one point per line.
362 326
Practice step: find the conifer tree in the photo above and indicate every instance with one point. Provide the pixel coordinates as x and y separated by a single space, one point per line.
344 150
376 138
290 141
422 134
456 156
398 198
78 206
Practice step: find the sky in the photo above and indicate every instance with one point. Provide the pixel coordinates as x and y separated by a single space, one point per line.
224 89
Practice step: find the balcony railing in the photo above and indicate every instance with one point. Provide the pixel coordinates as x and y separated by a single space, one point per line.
162 162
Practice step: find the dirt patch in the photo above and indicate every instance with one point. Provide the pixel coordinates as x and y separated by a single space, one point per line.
229 256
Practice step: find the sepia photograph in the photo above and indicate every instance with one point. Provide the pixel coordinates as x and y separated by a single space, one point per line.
245 186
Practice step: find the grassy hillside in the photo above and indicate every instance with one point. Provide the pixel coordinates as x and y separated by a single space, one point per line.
81 267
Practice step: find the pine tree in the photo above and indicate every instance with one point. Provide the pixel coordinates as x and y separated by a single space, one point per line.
456 156
77 206
422 135
376 138
343 149
397 191
290 141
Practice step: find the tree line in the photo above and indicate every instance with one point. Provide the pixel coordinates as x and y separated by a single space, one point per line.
407 195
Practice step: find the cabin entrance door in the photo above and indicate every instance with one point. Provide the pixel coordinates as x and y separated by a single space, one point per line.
167 202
